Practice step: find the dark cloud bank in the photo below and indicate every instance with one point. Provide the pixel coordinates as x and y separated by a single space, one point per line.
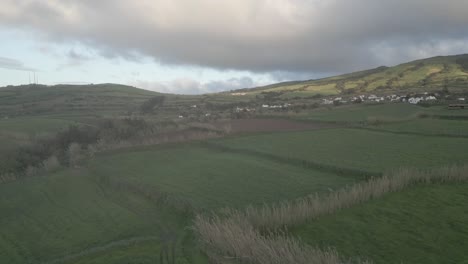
289 36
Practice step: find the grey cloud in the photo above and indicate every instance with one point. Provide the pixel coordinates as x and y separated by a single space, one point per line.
260 35
190 86
74 58
231 84
12 64
77 56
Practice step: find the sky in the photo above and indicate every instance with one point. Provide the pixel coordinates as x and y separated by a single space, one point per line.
201 46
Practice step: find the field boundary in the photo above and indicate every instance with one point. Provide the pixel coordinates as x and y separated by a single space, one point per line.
259 234
448 117
294 161
409 133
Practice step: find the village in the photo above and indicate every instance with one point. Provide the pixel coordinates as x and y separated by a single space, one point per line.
414 99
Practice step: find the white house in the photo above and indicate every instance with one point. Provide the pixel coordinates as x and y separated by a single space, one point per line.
415 100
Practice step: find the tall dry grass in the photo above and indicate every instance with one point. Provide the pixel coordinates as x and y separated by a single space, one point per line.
231 241
308 208
158 139
240 235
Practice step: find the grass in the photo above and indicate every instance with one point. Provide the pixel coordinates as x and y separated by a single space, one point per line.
33 126
362 113
68 213
105 212
77 216
69 99
425 224
428 127
211 179
253 233
357 149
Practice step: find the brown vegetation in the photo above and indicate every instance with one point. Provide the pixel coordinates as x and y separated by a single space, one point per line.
241 235
269 125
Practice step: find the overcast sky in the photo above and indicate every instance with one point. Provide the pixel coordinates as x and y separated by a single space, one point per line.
197 46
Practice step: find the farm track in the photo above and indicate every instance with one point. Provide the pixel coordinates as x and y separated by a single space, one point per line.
296 162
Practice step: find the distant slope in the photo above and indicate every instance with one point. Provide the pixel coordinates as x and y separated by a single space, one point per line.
431 74
69 99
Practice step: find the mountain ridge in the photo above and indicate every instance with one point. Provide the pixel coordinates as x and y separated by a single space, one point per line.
439 72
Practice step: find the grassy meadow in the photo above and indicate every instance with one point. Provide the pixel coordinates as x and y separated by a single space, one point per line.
138 204
365 113
431 127
425 224
356 148
68 216
211 179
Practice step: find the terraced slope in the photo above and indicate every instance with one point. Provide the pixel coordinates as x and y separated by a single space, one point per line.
70 99
449 72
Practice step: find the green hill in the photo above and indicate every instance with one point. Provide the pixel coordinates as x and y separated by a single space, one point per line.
66 99
449 72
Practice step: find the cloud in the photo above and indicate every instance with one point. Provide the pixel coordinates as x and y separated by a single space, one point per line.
191 86
77 56
297 36
12 64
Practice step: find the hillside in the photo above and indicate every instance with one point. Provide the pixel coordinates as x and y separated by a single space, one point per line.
63 99
449 74
437 73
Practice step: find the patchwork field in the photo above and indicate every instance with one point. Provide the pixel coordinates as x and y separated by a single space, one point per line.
426 224
68 216
137 204
210 178
356 149
423 127
364 113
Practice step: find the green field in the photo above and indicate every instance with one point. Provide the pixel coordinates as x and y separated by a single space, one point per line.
68 213
82 218
129 205
363 113
428 127
72 211
34 126
210 178
357 149
426 224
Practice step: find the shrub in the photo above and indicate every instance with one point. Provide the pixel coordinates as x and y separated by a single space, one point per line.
149 105
75 154
51 164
